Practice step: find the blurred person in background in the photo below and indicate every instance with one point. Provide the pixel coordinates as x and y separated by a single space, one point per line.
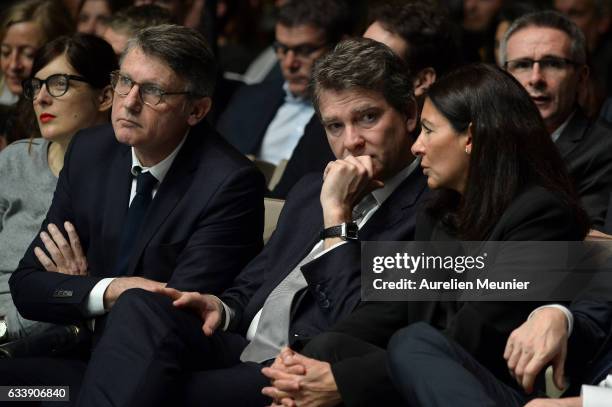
508 13
70 90
547 54
93 15
268 119
27 26
126 23
593 19
177 8
478 28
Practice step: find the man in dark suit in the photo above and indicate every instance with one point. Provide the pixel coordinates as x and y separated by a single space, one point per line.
149 202
546 53
308 275
267 119
417 31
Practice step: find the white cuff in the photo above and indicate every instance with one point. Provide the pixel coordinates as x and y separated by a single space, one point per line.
566 312
229 314
94 305
593 396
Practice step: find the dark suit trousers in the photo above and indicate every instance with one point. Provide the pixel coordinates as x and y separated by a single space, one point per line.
430 370
336 347
153 353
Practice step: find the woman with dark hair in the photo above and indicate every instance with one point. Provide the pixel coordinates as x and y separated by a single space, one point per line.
496 176
70 90
483 147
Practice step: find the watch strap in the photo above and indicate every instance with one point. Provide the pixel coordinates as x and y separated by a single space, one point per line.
345 231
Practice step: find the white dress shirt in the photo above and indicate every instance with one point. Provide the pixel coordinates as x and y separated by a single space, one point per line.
598 396
94 305
286 129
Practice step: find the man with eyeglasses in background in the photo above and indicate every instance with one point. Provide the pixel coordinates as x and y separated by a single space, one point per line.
146 203
266 120
546 53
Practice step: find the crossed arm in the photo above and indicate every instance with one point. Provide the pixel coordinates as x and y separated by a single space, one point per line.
66 256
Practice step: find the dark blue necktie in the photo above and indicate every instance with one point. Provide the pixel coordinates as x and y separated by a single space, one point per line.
136 213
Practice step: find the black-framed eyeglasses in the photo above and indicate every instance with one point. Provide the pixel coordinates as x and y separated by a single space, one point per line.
149 94
551 65
57 85
303 51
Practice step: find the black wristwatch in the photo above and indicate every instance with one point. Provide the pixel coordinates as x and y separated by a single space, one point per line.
345 231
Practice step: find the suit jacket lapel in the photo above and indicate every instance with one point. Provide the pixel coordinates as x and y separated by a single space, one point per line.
308 235
572 134
268 114
172 188
118 187
405 196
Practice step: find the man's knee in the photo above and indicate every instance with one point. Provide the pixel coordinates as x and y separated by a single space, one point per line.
417 339
138 303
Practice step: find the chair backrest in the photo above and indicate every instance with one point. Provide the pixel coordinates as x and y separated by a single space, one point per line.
266 168
273 209
278 173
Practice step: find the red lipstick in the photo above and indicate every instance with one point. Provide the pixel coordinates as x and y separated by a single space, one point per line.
46 117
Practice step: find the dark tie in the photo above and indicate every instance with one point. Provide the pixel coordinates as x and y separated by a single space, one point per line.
136 213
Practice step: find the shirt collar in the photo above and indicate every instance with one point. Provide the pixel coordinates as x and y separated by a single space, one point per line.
160 169
291 98
391 184
557 133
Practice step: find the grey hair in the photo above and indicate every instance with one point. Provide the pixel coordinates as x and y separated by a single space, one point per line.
184 50
547 19
362 63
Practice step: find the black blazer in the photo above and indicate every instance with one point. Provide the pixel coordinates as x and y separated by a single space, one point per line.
204 224
586 148
249 113
333 278
482 328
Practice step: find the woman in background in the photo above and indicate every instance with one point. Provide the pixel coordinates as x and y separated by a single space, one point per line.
27 26
70 90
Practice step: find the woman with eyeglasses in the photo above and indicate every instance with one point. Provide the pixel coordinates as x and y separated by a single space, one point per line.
70 90
24 28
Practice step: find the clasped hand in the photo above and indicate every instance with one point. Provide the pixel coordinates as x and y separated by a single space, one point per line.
300 381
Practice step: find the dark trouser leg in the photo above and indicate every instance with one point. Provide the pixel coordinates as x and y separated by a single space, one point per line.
236 386
430 370
359 368
148 350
